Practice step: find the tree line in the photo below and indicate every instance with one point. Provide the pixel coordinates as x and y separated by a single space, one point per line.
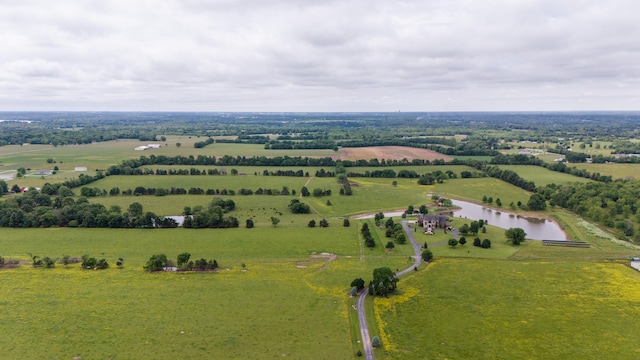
612 204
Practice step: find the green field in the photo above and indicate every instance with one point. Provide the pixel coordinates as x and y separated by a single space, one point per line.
616 171
542 176
510 302
480 309
286 294
474 189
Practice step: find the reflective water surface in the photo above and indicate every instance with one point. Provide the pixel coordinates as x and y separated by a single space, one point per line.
536 228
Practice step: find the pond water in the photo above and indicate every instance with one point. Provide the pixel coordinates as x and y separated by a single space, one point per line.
536 228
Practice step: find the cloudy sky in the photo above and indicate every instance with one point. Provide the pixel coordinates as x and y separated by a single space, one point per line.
319 55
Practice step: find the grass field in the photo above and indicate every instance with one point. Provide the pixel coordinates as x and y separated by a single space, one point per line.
286 303
480 309
541 176
474 189
510 302
616 171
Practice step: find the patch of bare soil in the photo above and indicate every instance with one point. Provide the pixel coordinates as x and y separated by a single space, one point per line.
390 152
327 257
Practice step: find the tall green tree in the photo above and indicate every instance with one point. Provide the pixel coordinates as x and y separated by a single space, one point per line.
384 280
537 202
515 235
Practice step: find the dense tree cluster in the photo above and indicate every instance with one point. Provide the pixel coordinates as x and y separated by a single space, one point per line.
309 144
212 216
201 144
614 204
436 177
384 281
394 230
35 209
298 207
160 262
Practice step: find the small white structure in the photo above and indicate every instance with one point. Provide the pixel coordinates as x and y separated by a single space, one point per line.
147 147
80 168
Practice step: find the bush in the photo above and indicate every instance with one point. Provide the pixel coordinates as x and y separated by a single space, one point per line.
486 243
346 223
358 283
427 255
375 342
89 262
156 262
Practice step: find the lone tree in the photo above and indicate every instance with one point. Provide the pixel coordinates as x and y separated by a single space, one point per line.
384 281
346 223
274 221
453 242
462 240
426 255
515 235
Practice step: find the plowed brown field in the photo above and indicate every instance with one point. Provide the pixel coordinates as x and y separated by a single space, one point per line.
390 152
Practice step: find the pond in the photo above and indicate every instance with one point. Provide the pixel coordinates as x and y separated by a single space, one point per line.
536 228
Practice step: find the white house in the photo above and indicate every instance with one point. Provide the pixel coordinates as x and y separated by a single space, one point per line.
154 146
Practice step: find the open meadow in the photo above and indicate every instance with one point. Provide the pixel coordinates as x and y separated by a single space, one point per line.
542 176
292 299
616 171
497 309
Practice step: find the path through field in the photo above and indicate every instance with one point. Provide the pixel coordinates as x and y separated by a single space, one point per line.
362 317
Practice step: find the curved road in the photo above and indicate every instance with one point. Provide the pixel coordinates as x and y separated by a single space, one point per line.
362 317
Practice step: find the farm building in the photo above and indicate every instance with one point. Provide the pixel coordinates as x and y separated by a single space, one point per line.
147 147
80 168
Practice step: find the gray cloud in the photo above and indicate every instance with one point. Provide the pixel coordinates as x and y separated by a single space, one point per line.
348 55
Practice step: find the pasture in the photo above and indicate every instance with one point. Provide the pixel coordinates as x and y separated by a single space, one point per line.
542 176
616 171
293 301
474 189
481 309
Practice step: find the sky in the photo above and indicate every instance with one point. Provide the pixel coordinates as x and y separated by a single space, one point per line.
319 55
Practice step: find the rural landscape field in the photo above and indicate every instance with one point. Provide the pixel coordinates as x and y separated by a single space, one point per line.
273 223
